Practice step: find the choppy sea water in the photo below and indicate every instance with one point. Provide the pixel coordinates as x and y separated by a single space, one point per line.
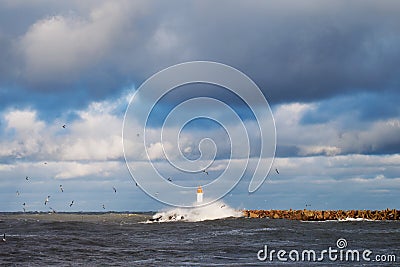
127 240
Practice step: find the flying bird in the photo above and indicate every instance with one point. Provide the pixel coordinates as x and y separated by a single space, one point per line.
137 184
72 203
277 171
62 190
47 200
27 178
308 205
64 126
17 193
206 172
104 207
169 179
52 210
115 190
45 163
4 237
222 206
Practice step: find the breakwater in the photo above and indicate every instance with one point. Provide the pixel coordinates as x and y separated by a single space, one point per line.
323 215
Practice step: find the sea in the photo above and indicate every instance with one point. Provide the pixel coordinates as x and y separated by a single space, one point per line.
211 236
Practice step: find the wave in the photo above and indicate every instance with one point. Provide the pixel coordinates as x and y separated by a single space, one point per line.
344 220
355 220
214 211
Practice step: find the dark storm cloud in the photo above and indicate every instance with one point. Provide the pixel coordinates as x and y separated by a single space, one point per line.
295 51
362 107
303 52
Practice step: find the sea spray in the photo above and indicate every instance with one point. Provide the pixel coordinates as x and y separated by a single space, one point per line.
214 211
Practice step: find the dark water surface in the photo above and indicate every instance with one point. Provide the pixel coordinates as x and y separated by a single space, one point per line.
123 240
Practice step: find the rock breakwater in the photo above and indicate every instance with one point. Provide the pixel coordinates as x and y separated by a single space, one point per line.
323 215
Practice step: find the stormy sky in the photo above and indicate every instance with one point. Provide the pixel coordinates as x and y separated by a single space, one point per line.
330 71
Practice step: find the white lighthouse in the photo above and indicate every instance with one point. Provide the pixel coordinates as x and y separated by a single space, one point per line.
199 194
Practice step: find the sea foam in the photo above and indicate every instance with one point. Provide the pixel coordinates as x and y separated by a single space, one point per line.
213 211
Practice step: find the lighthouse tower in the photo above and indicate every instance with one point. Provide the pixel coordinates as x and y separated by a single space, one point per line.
199 194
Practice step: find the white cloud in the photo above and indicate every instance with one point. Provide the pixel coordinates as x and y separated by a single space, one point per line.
68 170
5 167
346 167
64 45
164 39
155 151
95 135
28 133
23 121
316 150
333 137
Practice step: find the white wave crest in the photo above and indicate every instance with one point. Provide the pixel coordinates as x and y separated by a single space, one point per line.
214 211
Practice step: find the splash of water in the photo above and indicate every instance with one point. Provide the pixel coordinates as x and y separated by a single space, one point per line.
214 211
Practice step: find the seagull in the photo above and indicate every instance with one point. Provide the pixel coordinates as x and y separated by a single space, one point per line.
47 200
27 178
64 126
277 171
4 237
104 207
308 205
52 210
137 184
156 193
23 204
62 190
72 203
17 193
115 190
206 172
169 179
